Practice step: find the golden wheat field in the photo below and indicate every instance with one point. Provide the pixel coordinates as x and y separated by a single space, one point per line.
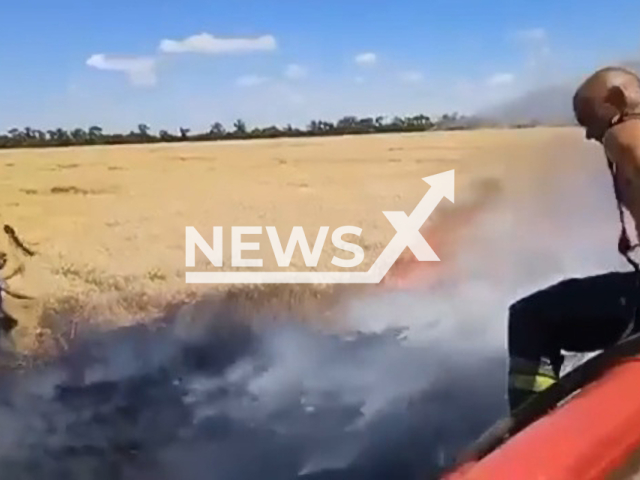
108 223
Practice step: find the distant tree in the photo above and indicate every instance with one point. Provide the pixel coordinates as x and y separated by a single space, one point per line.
326 126
217 130
62 135
240 127
314 126
31 137
422 121
397 124
347 123
95 133
165 136
366 124
29 133
79 135
271 132
144 130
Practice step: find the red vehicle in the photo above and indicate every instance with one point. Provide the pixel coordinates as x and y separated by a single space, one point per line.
586 427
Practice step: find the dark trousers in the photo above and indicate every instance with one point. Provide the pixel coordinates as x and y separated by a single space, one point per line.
575 315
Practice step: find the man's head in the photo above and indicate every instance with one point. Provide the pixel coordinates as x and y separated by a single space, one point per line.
605 96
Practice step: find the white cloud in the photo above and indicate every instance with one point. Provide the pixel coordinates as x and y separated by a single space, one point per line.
366 59
295 72
140 70
501 79
206 43
532 35
411 77
251 80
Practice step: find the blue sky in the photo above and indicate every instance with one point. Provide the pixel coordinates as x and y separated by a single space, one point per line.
193 62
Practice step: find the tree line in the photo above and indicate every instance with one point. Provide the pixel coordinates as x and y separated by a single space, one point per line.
349 125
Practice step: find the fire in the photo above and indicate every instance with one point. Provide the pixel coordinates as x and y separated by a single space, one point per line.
446 234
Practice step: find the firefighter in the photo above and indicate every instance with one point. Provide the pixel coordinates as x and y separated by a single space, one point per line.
586 314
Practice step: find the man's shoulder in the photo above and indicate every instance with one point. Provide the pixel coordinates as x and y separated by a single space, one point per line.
623 139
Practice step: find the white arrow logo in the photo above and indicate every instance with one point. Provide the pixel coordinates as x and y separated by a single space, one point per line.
407 235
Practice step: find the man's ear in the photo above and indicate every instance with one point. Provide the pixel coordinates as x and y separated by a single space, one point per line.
617 98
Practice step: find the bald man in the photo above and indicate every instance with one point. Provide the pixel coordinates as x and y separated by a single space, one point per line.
586 314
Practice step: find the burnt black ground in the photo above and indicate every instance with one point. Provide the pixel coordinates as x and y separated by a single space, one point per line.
233 403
